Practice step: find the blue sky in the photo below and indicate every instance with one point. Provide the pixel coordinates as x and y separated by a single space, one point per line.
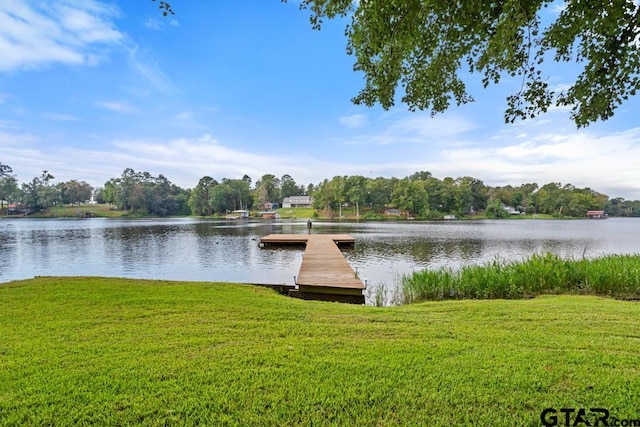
227 88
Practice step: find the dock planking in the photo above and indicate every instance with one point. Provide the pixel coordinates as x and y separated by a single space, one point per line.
301 239
324 274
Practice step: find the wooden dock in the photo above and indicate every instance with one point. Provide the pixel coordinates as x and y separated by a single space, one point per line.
324 274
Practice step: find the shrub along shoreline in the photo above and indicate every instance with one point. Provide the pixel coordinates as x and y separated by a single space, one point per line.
616 276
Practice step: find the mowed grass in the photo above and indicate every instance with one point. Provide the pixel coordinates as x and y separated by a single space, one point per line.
68 211
79 351
296 212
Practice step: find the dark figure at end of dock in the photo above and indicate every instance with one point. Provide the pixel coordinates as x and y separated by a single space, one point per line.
309 225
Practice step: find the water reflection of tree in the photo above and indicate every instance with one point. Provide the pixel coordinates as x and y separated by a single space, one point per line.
467 249
421 251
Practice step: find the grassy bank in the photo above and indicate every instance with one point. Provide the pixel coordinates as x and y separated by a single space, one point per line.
68 211
613 275
120 352
293 213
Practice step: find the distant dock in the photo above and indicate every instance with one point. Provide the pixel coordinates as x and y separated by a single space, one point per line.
324 274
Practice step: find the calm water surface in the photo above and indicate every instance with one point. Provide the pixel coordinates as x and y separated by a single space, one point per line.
202 250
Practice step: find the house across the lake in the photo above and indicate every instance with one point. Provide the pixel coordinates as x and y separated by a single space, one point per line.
511 210
269 215
596 215
297 202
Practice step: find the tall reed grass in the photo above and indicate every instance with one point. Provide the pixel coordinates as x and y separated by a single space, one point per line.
612 275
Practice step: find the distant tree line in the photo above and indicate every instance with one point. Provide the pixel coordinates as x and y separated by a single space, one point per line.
210 196
419 195
425 196
41 192
143 193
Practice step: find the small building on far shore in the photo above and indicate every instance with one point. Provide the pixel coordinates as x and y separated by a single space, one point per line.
17 209
297 202
269 215
596 215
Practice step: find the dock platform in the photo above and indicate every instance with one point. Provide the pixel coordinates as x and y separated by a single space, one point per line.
324 274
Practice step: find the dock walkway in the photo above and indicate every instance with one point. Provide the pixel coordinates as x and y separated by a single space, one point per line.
324 274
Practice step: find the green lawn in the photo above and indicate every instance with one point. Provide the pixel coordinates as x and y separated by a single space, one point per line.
68 211
296 212
79 351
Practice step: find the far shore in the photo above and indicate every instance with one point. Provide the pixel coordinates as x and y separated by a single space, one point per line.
348 214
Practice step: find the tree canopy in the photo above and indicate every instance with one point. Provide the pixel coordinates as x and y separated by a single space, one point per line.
423 46
165 7
5 170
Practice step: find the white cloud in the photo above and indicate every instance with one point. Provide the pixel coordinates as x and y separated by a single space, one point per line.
72 32
183 161
564 109
605 163
149 68
66 31
196 157
407 127
557 7
153 24
354 120
61 117
560 87
427 127
159 24
185 115
117 106
12 138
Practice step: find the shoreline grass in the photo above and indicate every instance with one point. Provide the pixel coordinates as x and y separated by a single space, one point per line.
615 276
86 350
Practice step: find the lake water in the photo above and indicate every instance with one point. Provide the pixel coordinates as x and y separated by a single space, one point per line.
204 250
